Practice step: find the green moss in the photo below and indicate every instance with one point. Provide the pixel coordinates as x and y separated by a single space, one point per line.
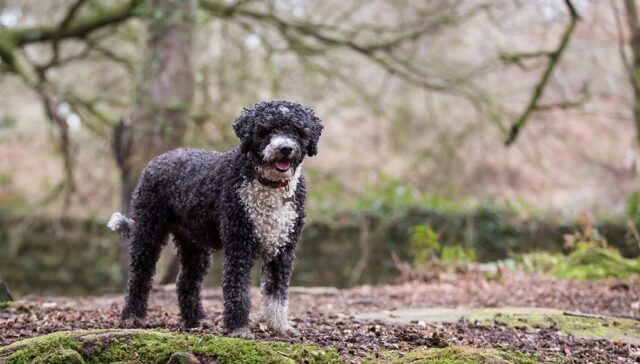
156 346
533 319
587 262
63 356
458 355
591 262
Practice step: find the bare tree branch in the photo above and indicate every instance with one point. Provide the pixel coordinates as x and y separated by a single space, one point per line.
554 57
51 110
64 25
622 46
78 28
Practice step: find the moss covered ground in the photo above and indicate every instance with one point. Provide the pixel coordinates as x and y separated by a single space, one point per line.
458 355
535 319
157 346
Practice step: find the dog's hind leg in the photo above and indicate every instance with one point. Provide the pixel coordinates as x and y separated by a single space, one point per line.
195 260
276 274
148 236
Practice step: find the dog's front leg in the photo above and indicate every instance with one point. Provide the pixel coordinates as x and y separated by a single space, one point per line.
276 274
236 292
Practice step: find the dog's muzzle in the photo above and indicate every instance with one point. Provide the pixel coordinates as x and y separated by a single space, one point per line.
278 159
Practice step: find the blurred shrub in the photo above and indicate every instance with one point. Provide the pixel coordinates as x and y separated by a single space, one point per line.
590 258
425 244
589 261
44 254
633 206
9 198
537 262
458 254
429 258
391 195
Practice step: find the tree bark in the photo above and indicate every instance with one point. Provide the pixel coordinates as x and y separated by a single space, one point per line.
163 97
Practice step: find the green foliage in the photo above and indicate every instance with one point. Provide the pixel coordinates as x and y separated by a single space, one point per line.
495 233
587 261
390 195
425 244
590 259
9 198
457 254
586 234
427 249
633 205
56 255
540 262
590 262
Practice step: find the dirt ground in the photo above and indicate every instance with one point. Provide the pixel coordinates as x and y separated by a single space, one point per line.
326 316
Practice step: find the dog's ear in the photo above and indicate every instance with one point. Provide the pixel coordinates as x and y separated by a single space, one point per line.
313 127
243 126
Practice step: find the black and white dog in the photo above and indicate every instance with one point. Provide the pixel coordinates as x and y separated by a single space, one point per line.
248 201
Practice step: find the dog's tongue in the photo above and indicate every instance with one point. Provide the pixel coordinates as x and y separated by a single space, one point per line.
283 165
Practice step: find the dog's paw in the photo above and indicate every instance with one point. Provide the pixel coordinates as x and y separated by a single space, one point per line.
195 320
242 333
190 324
288 331
131 323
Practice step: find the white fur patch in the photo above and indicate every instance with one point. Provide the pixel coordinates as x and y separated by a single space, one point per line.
275 143
273 219
275 313
283 109
116 221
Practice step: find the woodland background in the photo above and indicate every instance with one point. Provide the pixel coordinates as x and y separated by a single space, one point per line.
497 125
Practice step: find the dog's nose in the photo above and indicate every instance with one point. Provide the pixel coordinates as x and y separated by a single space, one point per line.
286 150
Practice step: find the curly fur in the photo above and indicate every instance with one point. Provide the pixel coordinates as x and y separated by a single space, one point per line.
209 201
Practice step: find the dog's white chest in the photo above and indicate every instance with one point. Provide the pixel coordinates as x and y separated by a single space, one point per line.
272 212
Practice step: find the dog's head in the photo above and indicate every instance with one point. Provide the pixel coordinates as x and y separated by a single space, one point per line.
277 135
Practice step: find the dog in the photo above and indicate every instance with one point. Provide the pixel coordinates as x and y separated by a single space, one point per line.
248 202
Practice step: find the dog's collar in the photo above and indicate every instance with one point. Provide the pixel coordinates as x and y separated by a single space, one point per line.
273 184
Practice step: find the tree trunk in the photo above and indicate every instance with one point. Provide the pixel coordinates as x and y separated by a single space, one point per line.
163 97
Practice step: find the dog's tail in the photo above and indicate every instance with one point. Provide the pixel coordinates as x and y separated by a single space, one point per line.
121 224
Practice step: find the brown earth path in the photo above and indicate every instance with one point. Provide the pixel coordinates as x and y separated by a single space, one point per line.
326 316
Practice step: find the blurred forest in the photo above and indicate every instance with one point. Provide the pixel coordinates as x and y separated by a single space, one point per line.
529 107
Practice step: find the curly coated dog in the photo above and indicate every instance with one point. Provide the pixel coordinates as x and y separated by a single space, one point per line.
248 201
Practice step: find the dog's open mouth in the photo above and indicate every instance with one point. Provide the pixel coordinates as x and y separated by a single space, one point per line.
282 165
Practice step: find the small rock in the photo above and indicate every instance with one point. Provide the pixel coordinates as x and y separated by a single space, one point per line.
635 305
183 358
49 304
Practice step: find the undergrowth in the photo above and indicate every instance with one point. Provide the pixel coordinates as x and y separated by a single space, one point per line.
590 258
